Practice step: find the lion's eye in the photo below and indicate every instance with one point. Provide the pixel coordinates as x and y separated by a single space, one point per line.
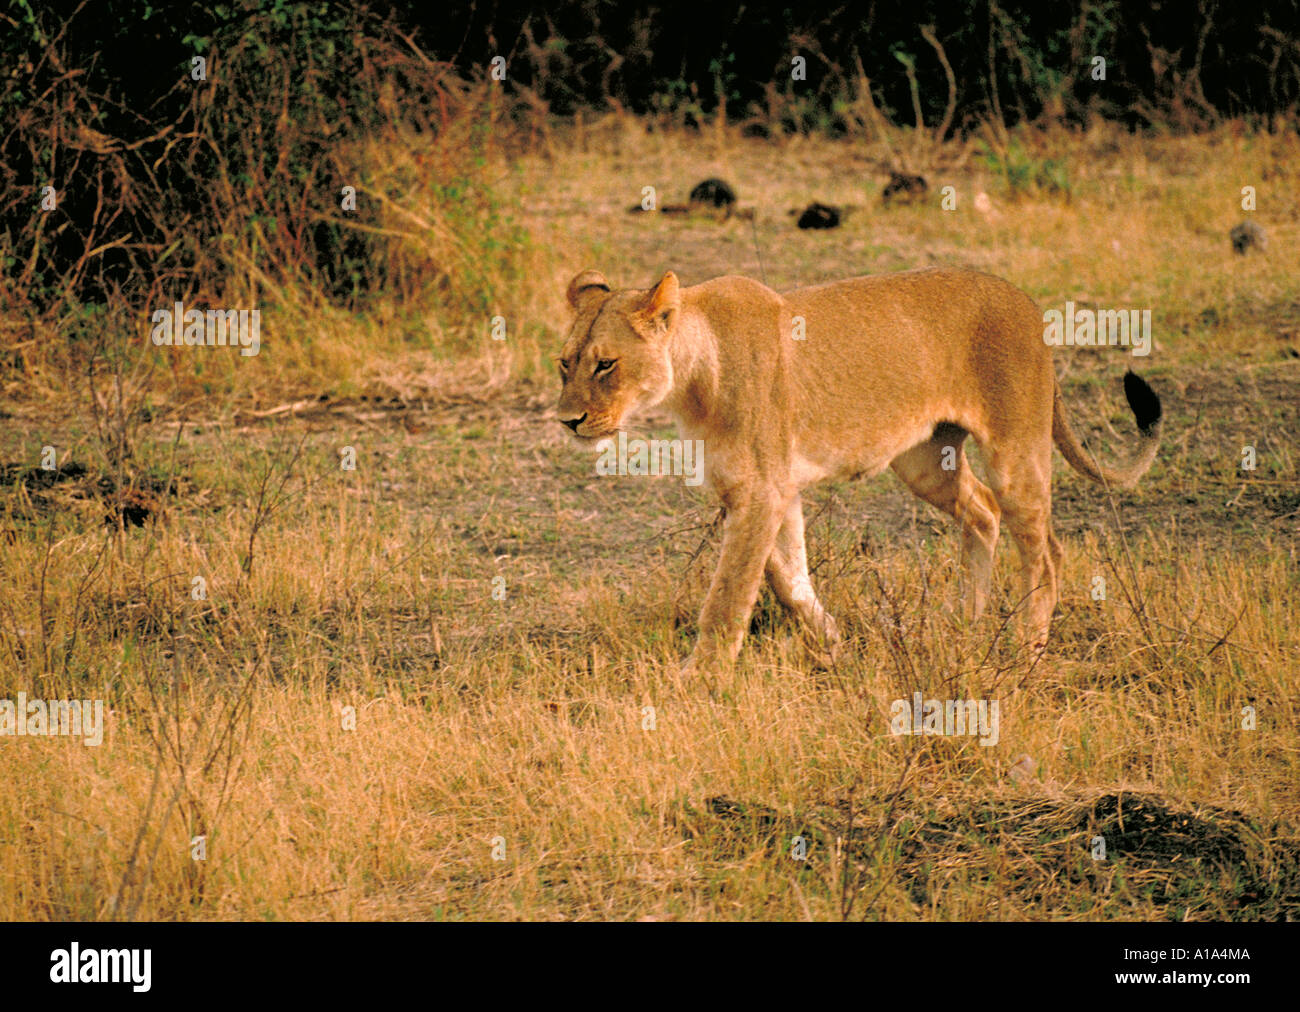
604 365
564 366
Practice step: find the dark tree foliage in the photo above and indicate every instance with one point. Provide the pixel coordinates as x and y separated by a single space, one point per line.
1237 59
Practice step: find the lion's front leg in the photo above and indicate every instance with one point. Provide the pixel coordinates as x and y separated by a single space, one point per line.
787 572
748 535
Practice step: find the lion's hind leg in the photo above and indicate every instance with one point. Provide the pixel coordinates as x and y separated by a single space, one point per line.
938 472
1023 475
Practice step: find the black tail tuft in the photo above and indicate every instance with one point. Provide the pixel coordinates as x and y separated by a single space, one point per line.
1143 400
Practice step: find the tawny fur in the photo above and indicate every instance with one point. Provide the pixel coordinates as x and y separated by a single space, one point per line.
833 381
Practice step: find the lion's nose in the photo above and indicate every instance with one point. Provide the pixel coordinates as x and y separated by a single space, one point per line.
573 423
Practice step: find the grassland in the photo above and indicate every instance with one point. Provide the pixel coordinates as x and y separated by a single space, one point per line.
505 626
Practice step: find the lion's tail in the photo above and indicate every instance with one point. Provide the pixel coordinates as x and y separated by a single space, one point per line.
1146 408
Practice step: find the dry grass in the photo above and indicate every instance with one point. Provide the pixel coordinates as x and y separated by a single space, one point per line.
525 718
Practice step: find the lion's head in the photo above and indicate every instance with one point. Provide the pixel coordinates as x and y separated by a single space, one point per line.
616 358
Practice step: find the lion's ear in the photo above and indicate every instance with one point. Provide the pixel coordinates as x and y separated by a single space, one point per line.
585 283
662 303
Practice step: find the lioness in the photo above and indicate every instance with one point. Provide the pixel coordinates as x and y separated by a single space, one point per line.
839 380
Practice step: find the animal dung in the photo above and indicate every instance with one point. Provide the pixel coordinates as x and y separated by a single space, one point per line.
904 189
817 215
712 199
1247 236
713 193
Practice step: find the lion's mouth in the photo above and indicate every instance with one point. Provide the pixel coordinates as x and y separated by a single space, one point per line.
587 438
592 429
